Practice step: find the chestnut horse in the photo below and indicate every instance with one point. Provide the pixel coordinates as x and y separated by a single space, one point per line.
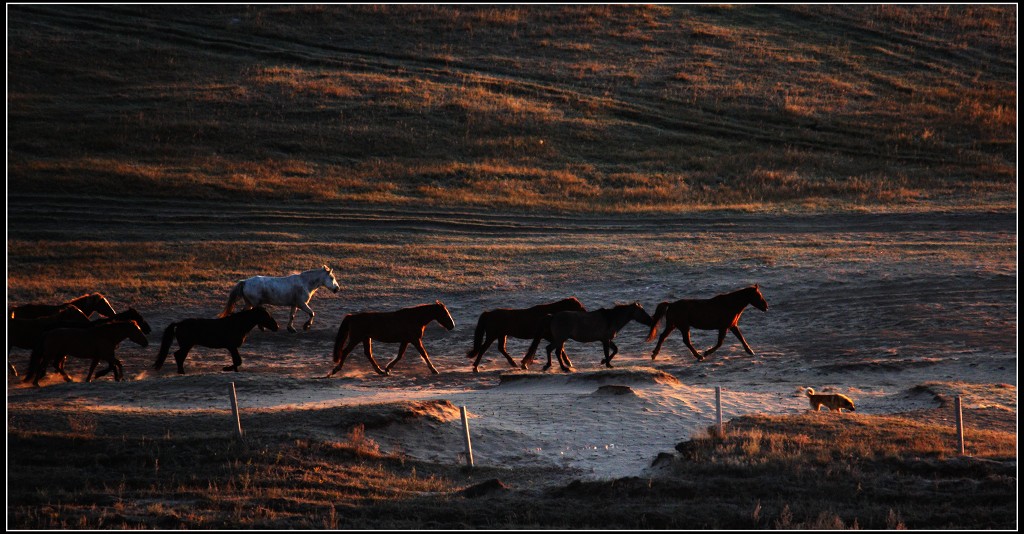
721 312
522 324
221 333
93 302
26 333
598 325
94 342
404 326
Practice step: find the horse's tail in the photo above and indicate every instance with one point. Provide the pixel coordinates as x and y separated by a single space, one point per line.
659 312
478 338
234 295
165 345
342 338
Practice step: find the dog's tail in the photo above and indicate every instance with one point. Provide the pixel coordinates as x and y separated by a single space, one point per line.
810 391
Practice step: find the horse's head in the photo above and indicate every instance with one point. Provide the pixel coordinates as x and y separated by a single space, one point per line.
264 319
756 298
639 314
99 304
329 281
136 334
134 315
443 317
570 304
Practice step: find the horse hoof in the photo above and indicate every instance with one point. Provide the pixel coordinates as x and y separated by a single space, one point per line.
306 326
292 329
231 368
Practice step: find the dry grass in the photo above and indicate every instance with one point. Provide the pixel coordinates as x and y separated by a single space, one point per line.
753 107
822 471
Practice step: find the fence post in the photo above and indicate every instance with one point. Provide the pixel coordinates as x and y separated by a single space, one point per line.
234 410
718 411
469 444
958 406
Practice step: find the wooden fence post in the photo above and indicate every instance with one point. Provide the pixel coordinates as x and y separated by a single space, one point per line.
958 406
718 411
234 410
469 444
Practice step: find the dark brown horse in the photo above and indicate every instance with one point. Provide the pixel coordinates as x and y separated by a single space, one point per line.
26 333
598 325
221 333
131 314
522 324
404 326
88 304
721 313
95 343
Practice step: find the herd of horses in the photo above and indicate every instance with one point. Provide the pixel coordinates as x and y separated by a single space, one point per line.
54 332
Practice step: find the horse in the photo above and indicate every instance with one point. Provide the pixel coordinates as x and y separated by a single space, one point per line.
293 290
220 333
522 324
598 325
26 333
721 312
96 342
404 326
88 304
131 314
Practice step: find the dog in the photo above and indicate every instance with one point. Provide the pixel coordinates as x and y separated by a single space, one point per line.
833 401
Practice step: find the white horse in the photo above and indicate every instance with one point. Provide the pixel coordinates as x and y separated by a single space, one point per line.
294 290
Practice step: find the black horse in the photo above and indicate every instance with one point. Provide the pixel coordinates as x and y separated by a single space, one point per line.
221 333
598 325
522 324
721 312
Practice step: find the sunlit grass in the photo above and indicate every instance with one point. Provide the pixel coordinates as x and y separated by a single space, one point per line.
750 108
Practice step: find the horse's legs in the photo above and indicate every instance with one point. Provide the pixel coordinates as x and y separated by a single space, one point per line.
401 352
291 318
531 353
486 345
721 338
344 354
608 357
736 330
669 327
689 344
58 364
179 356
504 352
305 307
368 349
92 367
423 354
563 358
236 359
118 369
551 347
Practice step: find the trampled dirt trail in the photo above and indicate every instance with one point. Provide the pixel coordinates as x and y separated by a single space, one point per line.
868 305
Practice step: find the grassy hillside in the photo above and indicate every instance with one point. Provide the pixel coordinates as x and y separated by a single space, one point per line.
595 108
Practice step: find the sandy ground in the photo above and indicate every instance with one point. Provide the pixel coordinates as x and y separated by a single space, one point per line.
869 306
